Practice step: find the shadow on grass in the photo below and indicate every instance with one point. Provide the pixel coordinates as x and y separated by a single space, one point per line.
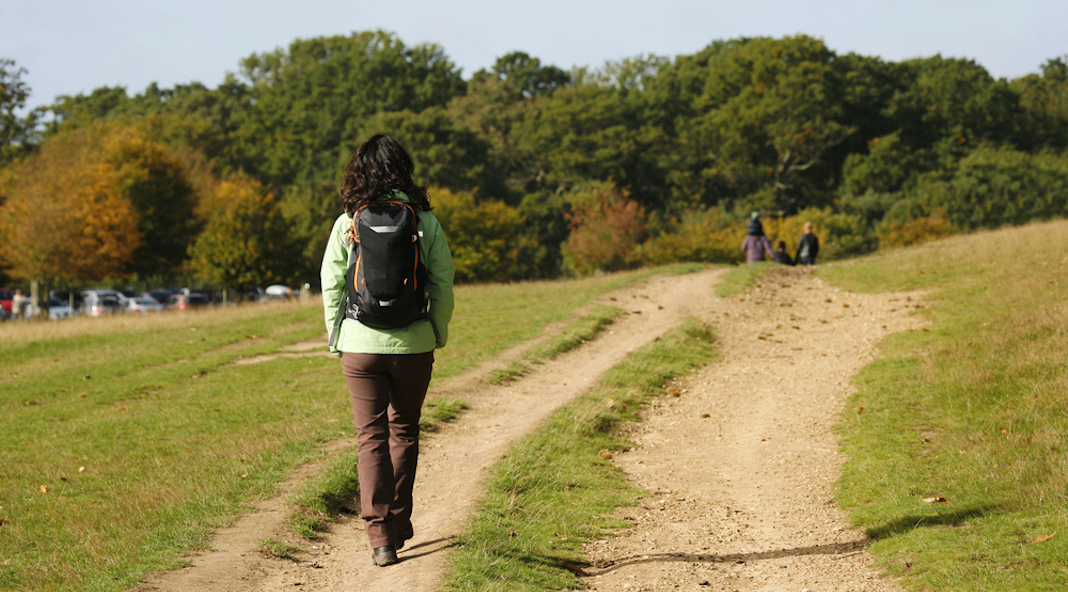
907 524
843 548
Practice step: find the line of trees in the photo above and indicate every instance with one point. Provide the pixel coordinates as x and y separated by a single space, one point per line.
536 172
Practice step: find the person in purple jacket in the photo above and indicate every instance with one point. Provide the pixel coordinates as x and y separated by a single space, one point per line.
756 245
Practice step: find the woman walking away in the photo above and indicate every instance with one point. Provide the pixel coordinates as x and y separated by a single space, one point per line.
386 358
756 244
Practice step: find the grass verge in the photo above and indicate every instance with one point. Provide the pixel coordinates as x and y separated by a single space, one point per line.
576 334
571 337
554 489
494 317
514 371
972 411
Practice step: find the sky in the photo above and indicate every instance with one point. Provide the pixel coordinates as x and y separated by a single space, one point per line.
69 47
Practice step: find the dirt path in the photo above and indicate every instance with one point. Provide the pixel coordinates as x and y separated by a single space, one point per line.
741 464
450 465
742 497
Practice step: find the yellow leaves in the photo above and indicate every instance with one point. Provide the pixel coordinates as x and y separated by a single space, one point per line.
484 237
65 218
225 193
915 230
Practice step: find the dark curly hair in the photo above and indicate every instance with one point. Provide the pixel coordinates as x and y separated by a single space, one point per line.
375 170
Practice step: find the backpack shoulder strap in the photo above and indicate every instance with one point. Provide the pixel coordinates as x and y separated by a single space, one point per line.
343 302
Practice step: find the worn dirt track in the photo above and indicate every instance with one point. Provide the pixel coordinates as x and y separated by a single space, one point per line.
740 465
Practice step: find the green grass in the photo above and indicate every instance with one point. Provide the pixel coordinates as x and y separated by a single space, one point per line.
577 333
553 490
494 317
127 441
572 336
273 548
973 410
514 371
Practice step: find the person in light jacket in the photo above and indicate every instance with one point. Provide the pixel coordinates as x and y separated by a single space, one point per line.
387 371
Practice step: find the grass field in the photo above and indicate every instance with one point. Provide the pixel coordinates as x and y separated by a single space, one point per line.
973 411
127 440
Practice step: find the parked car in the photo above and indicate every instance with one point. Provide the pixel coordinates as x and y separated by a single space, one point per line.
105 305
100 302
141 304
94 293
186 302
64 296
199 292
278 292
159 295
59 309
6 297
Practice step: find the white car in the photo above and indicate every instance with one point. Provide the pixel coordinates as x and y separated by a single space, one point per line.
58 309
278 292
142 304
100 302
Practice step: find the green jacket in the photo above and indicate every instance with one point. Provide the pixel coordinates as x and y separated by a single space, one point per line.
421 336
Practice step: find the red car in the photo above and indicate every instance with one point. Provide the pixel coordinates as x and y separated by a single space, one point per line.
5 299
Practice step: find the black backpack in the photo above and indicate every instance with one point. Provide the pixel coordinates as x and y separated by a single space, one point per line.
386 280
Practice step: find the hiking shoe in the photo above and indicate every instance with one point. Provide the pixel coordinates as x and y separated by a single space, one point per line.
384 556
404 535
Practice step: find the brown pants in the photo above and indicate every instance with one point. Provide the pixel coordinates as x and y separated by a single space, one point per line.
387 393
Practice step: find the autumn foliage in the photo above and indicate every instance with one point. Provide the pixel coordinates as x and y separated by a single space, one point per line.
247 244
485 237
606 229
64 219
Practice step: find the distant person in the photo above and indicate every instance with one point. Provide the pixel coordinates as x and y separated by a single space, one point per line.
756 245
781 256
387 370
19 305
808 247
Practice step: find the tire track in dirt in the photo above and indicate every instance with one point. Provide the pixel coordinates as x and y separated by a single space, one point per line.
451 464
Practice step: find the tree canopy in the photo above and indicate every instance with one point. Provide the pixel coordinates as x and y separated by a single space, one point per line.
678 150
